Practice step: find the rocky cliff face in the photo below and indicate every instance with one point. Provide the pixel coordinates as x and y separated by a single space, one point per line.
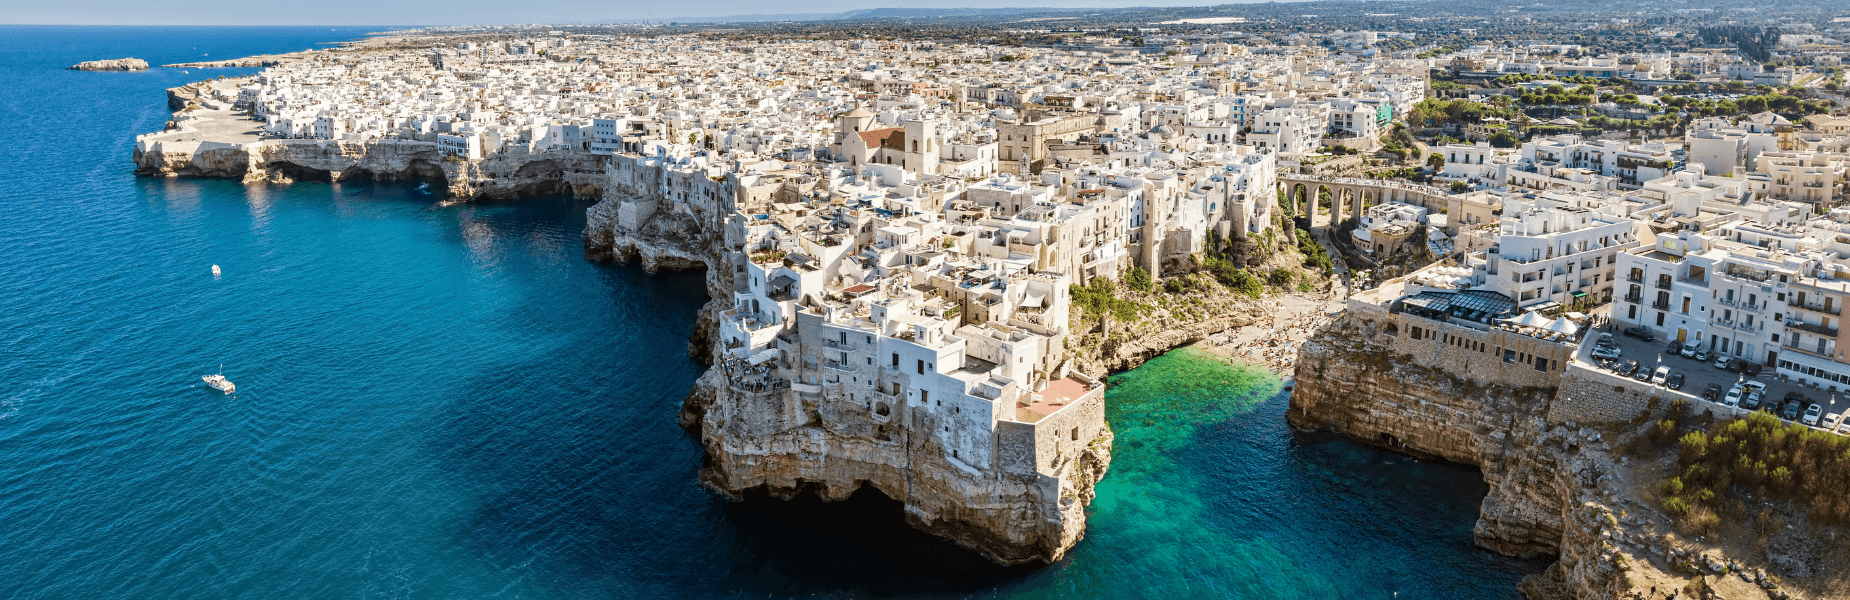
787 441
507 174
1542 474
1557 485
1010 517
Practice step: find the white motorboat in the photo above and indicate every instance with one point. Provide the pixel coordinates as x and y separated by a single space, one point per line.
220 383
214 270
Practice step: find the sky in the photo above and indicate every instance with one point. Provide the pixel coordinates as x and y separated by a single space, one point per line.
466 12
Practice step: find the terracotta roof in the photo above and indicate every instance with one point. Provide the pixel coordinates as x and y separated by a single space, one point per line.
894 137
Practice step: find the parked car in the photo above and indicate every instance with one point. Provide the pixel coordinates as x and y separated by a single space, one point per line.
1702 355
1640 333
1812 414
1674 348
1643 374
1751 401
1791 411
1675 381
1832 421
1725 363
1712 393
1690 349
1605 351
1661 375
1628 367
1748 368
1734 396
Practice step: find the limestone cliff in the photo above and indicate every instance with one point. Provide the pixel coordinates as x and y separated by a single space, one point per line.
668 213
505 174
1543 433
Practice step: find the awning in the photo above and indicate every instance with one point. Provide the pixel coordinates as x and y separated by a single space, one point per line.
763 357
1034 300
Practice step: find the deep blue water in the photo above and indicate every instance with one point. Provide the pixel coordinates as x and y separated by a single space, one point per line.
448 402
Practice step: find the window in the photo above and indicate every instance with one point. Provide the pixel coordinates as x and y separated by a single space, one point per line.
895 360
921 366
924 396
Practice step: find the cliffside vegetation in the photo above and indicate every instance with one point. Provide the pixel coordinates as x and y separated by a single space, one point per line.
1758 455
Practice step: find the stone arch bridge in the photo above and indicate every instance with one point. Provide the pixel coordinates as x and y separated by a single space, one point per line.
1351 196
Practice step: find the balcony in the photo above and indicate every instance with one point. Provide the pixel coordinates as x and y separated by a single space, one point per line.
1696 281
1833 311
1633 298
1746 326
1660 305
1811 351
1635 278
1811 328
1663 284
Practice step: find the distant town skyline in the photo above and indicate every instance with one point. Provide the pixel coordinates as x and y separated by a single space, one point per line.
478 12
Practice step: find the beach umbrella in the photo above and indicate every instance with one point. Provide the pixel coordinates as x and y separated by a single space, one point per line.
1562 325
1532 319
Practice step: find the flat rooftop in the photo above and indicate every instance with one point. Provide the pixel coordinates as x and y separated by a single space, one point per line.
1058 395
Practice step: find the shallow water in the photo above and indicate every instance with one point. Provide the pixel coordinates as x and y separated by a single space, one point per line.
449 402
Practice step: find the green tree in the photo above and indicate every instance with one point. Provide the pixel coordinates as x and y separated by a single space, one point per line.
1504 139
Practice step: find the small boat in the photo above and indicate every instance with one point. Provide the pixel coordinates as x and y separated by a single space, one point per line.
424 187
219 382
214 270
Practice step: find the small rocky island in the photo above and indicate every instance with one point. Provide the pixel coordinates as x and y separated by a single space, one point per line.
114 64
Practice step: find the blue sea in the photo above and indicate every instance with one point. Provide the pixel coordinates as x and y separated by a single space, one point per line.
449 402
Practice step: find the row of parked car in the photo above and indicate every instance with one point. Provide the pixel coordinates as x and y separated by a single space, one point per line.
1606 353
1793 407
1746 394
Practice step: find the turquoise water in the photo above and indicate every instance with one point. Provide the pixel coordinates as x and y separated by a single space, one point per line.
448 402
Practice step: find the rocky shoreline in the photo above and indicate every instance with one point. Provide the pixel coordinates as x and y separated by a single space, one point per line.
209 138
114 64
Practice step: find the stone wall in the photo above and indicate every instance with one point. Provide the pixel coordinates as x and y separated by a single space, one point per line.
1491 356
1594 397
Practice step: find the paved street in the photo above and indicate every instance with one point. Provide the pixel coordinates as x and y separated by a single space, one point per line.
1699 375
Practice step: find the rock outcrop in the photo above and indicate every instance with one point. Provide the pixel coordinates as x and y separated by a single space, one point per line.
1546 451
672 213
114 64
507 174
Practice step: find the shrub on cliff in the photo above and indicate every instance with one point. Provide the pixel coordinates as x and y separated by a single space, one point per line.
1138 280
1767 456
1314 255
1099 298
